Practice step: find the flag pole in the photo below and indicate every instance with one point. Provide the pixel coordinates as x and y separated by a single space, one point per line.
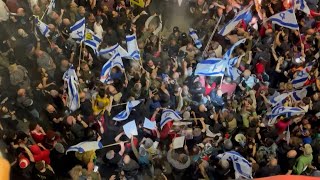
294 13
81 47
80 54
84 38
301 43
109 145
124 103
49 41
44 13
212 34
221 81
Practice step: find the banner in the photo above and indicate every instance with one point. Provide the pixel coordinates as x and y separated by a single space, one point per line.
137 2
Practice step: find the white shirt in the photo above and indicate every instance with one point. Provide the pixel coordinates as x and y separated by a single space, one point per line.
4 11
97 28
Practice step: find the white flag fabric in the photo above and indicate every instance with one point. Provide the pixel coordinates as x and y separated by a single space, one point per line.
73 94
220 66
123 115
295 95
282 110
113 50
230 70
70 72
229 52
133 49
77 30
43 28
235 21
302 76
115 60
167 116
302 6
195 38
286 19
92 40
73 100
242 167
105 72
210 67
51 6
85 146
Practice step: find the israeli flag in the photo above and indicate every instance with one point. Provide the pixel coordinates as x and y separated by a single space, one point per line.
242 167
43 28
73 94
51 6
123 115
115 60
195 38
302 6
92 40
167 116
77 30
220 66
296 95
113 50
286 19
230 70
69 73
73 101
210 67
228 54
302 77
235 73
105 72
133 49
282 110
85 146
235 21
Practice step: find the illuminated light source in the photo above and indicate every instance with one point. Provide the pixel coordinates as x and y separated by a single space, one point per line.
287 4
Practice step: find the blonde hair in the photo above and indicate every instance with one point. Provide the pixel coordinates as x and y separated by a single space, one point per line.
75 172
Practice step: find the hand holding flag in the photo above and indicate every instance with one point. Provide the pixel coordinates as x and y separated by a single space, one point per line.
115 60
77 30
235 21
43 28
167 116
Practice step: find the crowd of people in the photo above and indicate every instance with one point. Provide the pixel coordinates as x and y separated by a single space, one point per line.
221 115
